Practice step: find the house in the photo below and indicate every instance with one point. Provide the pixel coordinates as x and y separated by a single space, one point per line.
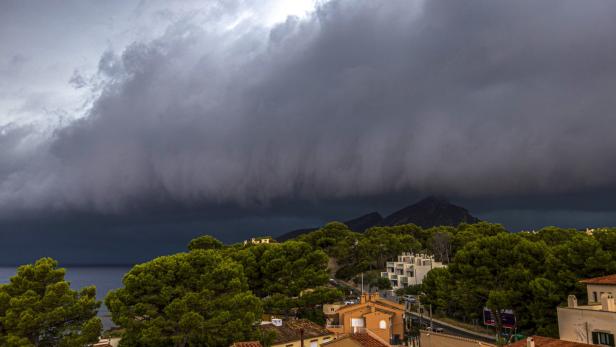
434 339
540 341
291 332
594 323
359 339
374 314
259 240
107 342
591 231
247 344
410 269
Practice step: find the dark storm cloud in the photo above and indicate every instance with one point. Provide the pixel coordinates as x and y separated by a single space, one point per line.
361 98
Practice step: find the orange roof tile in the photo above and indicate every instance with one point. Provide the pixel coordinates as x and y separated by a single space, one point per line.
541 341
366 340
609 279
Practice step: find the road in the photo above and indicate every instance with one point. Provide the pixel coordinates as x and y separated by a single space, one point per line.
451 329
447 328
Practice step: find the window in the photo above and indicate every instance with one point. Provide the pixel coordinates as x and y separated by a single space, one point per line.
602 338
357 322
383 324
594 296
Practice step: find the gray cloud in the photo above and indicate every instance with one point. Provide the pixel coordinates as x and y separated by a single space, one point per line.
360 98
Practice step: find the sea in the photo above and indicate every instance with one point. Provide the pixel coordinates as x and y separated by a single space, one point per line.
105 278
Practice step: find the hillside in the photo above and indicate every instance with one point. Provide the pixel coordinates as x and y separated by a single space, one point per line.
429 212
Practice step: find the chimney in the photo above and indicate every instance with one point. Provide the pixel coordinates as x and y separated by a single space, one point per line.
571 301
607 302
530 342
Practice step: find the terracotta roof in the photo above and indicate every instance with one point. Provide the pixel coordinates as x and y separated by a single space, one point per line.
541 341
290 330
247 344
386 305
366 340
610 279
363 339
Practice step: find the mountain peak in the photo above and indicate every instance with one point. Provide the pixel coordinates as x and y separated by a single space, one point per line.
434 200
429 212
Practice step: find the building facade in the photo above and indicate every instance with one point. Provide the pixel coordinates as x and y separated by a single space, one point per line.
259 240
594 323
381 317
410 269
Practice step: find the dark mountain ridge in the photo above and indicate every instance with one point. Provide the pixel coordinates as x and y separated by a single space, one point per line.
429 212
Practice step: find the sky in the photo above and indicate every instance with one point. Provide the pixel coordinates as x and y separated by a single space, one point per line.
129 127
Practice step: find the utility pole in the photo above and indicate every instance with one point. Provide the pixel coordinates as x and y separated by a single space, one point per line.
431 325
362 283
420 312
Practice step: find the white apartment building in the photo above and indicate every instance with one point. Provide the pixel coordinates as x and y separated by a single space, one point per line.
410 269
594 323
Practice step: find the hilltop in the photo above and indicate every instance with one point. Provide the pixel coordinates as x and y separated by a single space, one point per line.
428 212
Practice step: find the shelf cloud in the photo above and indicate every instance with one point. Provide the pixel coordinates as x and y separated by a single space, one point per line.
353 99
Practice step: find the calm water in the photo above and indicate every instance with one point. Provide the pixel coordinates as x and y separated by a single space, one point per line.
104 278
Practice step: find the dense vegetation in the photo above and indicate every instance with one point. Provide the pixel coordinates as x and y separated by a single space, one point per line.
531 273
362 252
38 308
199 298
214 294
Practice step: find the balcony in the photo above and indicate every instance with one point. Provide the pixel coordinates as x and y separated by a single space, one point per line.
335 328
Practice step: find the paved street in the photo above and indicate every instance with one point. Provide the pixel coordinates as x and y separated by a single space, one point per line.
437 325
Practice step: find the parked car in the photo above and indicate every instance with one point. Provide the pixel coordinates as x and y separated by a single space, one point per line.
410 298
435 329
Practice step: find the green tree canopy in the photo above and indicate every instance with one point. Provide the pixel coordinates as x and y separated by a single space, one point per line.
530 272
38 308
283 268
199 298
205 242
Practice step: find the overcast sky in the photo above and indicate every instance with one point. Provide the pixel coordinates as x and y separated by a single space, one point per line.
146 122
